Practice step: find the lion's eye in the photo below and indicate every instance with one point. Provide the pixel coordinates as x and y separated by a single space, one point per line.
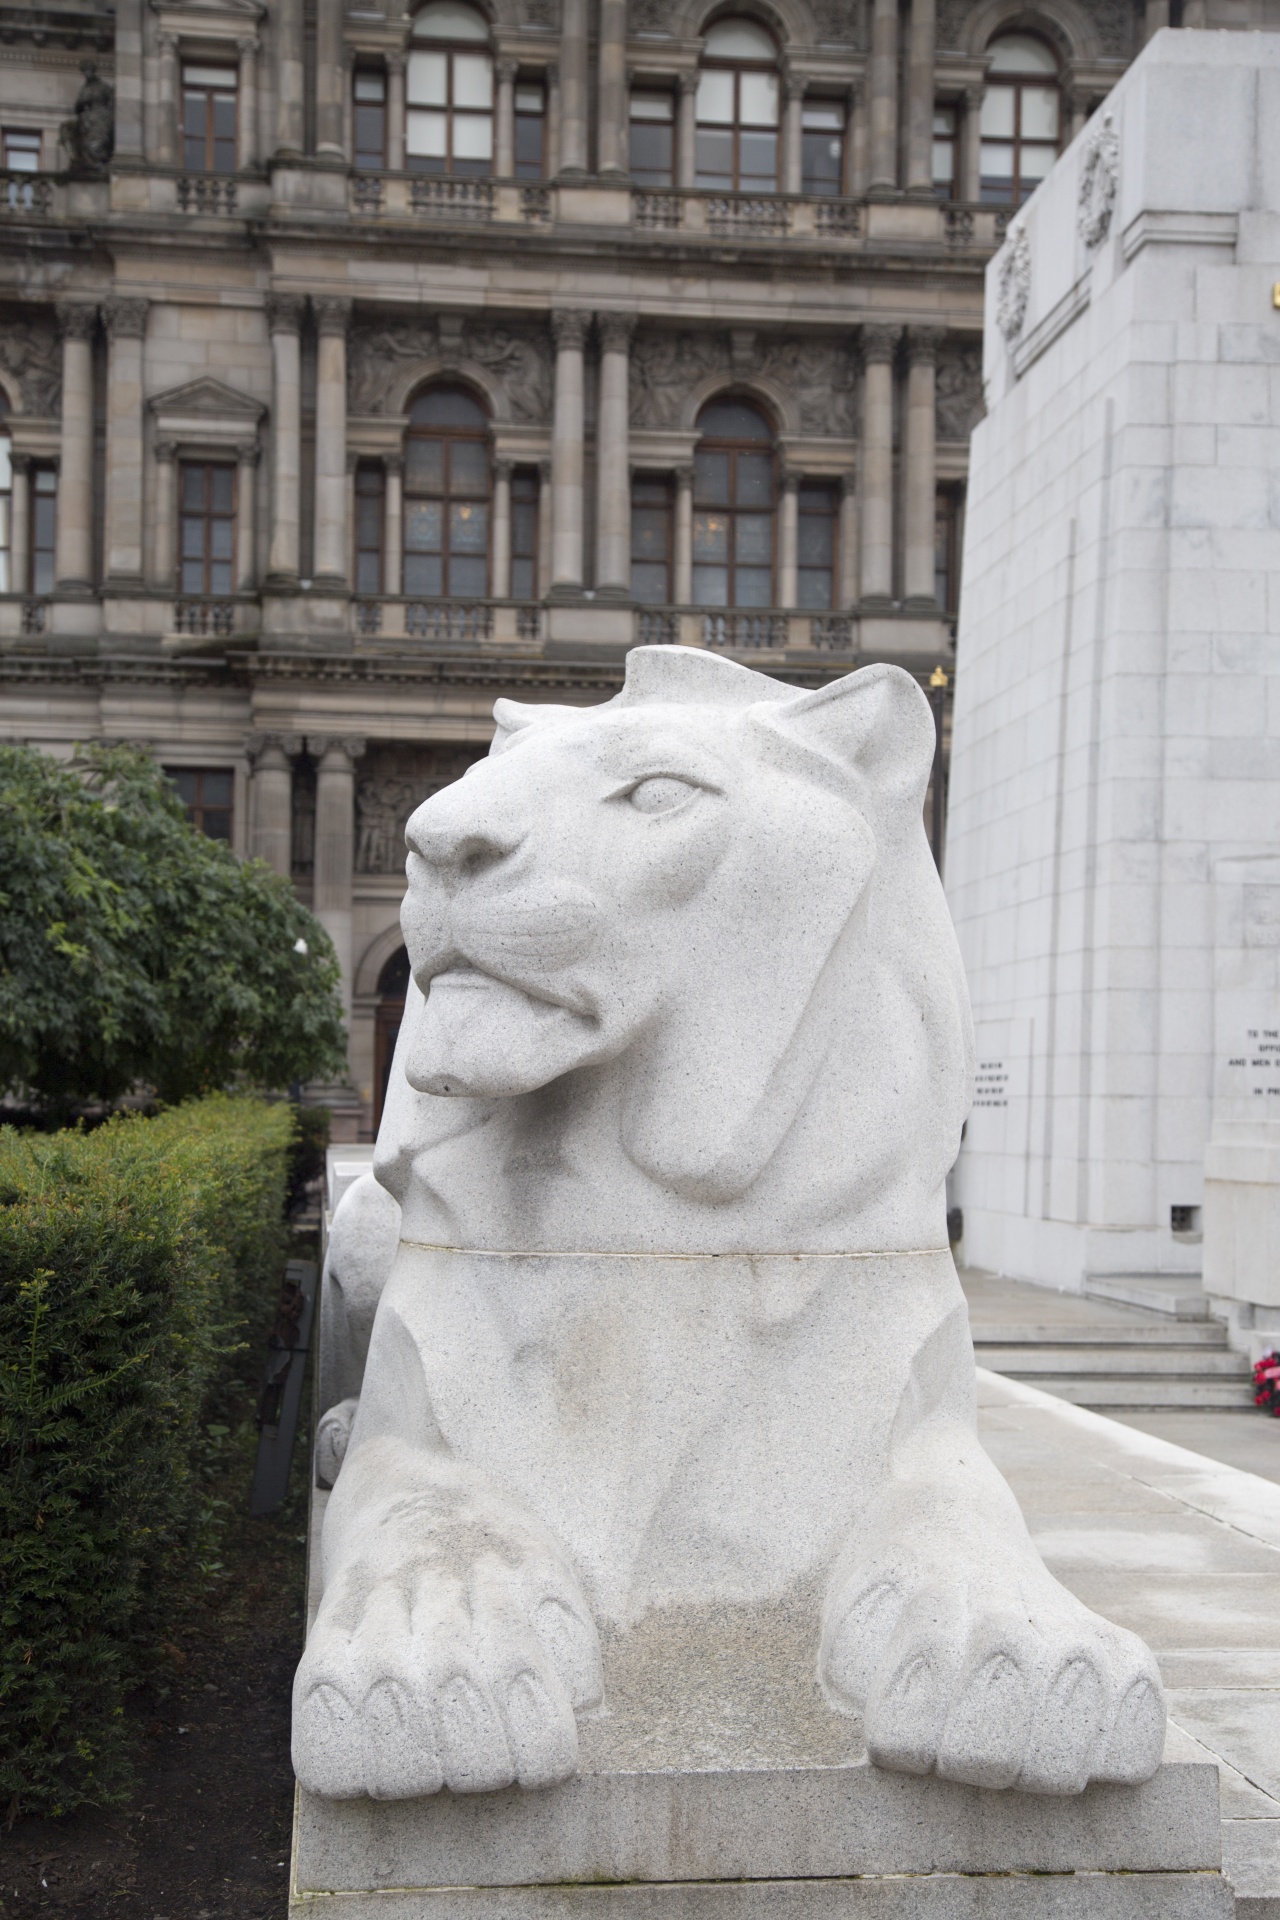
660 794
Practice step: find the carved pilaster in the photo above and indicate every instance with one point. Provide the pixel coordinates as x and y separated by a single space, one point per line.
879 344
569 328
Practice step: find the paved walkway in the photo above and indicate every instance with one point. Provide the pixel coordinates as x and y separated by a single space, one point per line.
1184 1551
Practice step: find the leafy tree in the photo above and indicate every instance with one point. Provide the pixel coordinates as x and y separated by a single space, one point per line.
133 950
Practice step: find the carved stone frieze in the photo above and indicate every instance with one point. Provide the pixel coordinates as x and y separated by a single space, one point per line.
665 367
378 356
393 781
819 376
29 352
1013 286
841 20
959 404
1099 182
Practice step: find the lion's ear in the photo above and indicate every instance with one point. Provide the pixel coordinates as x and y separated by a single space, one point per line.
876 724
513 716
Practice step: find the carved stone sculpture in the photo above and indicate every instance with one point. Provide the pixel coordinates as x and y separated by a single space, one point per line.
671 1383
89 136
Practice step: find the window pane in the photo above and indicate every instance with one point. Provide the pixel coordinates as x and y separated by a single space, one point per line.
193 539
1037 162
754 480
813 587
368 573
652 106
715 99
758 98
996 161
423 526
425 134
649 582
529 100
524 528
447 407
186 785
648 533
710 586
752 586
216 790
1020 53
814 542
997 114
193 576
449 20
733 420
522 579
219 576
822 118
739 40
711 478
753 538
468 467
370 123
944 163
1039 113
197 76
472 80
370 86
710 536
22 152
469 526
821 160
468 578
714 159
220 539
424 463
528 146
651 154
758 162
423 573
222 488
216 825
473 136
427 79
193 486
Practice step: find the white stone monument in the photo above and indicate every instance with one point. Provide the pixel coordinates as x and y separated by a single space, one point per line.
1117 720
661 1546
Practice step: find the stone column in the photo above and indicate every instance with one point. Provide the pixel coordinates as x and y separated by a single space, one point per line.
163 545
848 558
573 87
879 345
73 554
884 94
682 586
128 80
504 120
166 141
613 465
393 523
551 133
857 154
612 156
792 132
335 845
284 317
971 156
247 102
686 130
332 320
349 518
500 585
246 516
788 532
271 802
544 528
920 491
1156 16
920 97
20 524
395 112
568 329
329 89
126 322
287 25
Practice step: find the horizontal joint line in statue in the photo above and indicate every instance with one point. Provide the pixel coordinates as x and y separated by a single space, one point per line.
618 1253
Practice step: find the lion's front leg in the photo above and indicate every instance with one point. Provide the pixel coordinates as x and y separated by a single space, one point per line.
944 1629
452 1644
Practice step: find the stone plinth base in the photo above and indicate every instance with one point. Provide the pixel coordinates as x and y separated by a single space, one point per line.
808 1842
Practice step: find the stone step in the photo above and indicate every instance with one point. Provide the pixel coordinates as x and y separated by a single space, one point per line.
1196 1363
1154 1393
1155 1333
1179 1295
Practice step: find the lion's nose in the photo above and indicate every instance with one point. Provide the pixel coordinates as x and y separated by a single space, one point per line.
465 844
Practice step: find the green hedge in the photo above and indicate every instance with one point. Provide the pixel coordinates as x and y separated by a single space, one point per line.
133 1259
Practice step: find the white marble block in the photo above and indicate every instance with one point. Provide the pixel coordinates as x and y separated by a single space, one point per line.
664 1456
1117 720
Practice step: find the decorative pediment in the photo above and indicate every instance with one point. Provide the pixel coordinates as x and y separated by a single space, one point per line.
202 19
206 412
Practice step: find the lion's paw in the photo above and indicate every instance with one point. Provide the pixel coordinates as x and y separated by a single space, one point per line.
995 1682
459 1668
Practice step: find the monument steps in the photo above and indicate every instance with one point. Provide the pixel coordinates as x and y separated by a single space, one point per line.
1179 1295
1188 1365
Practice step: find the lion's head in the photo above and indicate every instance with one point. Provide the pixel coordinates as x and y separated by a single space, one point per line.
711 895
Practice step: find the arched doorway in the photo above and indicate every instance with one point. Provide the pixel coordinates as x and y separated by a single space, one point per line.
393 985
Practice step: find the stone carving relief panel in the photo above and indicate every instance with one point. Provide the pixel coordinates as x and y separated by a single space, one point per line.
29 351
959 403
818 375
381 354
393 781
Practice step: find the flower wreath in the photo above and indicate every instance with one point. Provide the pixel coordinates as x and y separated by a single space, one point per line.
1266 1384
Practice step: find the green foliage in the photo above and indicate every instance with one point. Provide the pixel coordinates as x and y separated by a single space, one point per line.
134 951
133 1260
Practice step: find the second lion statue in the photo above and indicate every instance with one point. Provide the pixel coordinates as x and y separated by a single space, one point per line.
672 1377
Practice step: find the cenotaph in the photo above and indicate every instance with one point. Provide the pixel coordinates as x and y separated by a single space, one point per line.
662 1569
1116 749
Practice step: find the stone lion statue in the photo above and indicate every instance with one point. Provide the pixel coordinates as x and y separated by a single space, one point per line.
665 1448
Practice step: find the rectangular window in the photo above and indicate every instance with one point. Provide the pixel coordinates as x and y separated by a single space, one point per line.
44 527
736 140
817 540
945 147
205 792
822 147
369 120
946 552
450 119
531 120
370 520
651 535
209 119
207 527
652 139
524 536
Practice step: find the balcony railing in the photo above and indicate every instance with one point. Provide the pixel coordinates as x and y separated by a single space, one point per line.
390 618
447 199
206 193
761 214
745 630
25 196
204 616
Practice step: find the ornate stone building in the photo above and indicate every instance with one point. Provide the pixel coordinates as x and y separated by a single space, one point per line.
359 365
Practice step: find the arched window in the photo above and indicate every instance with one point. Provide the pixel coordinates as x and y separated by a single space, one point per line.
1021 119
6 500
449 91
737 109
446 506
733 499
393 987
